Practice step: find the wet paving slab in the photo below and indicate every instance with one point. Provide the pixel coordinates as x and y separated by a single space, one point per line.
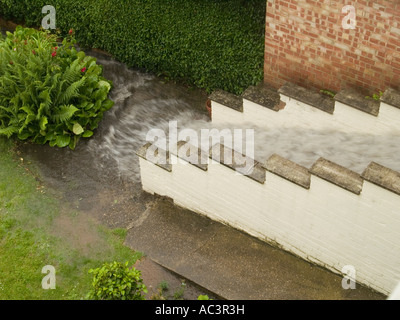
231 263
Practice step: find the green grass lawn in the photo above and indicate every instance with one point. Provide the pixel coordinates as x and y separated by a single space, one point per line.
29 238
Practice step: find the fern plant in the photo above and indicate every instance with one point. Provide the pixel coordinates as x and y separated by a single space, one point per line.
49 93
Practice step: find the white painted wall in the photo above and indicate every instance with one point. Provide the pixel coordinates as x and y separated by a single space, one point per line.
222 114
325 224
395 295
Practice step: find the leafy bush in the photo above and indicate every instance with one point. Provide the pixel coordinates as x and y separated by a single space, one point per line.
116 281
49 93
207 43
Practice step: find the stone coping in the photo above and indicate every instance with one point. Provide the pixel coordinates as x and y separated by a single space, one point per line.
312 98
332 172
227 99
264 96
383 177
391 97
357 100
192 154
252 168
161 154
338 175
289 170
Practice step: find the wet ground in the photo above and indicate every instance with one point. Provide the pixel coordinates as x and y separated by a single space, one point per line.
109 190
101 179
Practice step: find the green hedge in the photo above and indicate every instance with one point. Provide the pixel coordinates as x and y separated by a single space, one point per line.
207 43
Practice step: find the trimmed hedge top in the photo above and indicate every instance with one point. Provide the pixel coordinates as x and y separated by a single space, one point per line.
212 44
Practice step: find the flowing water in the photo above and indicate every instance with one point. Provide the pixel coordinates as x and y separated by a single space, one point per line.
143 103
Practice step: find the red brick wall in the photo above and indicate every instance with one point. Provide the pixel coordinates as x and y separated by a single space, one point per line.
305 43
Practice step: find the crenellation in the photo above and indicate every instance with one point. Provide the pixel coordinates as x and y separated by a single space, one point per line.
338 175
265 96
227 99
391 97
358 100
383 177
310 97
238 162
192 154
289 170
159 157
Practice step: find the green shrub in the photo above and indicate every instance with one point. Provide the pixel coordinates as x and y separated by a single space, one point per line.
49 93
116 281
207 43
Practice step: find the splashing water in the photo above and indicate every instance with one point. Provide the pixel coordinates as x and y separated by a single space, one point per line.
143 102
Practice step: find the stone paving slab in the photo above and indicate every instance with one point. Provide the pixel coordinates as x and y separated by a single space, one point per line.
231 263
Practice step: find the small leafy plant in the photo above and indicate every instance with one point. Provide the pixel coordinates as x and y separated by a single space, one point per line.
160 294
329 93
116 281
49 93
375 96
164 286
178 295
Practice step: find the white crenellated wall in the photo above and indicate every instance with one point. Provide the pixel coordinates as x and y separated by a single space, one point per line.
299 114
325 224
